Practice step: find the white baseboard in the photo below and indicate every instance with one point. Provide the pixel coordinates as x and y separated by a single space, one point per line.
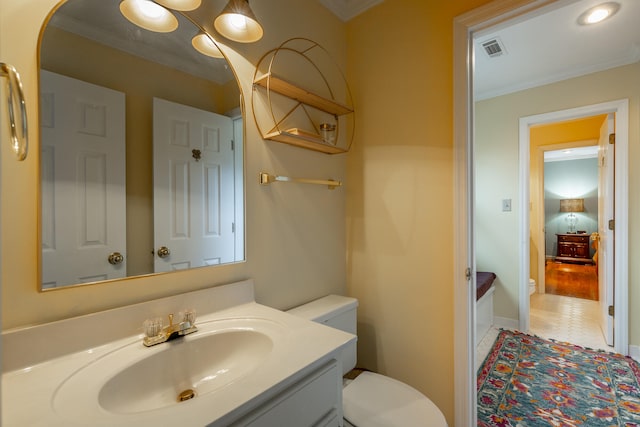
634 352
505 323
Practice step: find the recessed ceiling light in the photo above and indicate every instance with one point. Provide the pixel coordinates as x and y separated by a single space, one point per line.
598 13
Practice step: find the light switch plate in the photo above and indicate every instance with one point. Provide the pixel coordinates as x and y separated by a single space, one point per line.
506 205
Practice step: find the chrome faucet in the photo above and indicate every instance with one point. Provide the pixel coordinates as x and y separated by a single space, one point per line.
156 334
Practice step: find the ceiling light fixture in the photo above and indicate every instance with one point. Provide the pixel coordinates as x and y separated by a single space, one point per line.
598 13
149 15
238 23
183 5
205 45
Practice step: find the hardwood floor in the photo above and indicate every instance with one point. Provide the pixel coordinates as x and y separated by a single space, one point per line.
571 280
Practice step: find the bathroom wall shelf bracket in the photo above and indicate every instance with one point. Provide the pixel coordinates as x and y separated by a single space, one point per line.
313 97
266 179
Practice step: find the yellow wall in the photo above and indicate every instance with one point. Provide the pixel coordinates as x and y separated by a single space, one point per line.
567 131
398 232
400 193
295 234
497 174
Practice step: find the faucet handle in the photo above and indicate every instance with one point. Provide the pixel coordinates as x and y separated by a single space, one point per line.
152 327
189 316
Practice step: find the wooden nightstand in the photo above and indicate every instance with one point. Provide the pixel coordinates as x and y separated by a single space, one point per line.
573 248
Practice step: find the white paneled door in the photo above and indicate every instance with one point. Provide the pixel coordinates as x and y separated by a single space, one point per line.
606 199
83 181
193 174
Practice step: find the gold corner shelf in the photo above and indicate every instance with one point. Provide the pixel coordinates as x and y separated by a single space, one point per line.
279 85
300 138
277 122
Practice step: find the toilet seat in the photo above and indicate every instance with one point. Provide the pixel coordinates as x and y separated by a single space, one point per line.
373 400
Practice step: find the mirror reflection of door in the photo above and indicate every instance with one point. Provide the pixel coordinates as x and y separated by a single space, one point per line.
193 187
83 181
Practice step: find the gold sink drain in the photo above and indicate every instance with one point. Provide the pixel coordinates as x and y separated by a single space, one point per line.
186 395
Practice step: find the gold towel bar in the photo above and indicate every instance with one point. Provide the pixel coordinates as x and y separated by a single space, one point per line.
265 179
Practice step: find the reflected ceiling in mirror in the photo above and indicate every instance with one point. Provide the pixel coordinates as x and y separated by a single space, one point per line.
141 148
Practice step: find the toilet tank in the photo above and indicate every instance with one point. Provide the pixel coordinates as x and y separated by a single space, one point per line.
338 312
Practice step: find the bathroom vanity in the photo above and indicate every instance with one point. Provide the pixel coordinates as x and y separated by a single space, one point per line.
247 365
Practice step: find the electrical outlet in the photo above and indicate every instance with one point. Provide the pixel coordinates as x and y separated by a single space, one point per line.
506 205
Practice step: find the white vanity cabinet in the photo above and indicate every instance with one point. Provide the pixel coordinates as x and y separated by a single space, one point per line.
315 400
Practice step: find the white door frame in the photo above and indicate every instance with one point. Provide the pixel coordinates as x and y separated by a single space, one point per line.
464 27
621 110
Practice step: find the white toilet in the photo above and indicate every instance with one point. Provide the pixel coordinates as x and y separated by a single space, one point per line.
370 400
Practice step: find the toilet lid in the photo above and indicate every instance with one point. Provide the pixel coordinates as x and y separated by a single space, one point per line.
373 400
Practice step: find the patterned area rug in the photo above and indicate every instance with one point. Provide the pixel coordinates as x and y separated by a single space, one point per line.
528 381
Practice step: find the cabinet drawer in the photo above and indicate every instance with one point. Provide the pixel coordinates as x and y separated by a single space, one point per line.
577 238
314 401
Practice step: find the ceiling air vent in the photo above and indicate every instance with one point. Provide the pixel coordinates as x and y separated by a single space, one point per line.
493 47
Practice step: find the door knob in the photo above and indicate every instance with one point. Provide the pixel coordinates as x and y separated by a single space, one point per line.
115 258
164 252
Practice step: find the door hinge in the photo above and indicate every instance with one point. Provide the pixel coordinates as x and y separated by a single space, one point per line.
611 311
233 145
612 224
467 274
612 138
233 227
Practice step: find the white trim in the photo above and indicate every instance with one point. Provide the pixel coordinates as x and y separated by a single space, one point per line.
634 352
505 323
484 314
464 296
621 108
524 229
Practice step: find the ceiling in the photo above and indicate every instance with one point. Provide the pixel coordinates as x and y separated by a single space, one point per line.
101 21
549 46
539 48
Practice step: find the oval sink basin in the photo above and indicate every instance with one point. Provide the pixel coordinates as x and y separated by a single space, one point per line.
136 379
201 365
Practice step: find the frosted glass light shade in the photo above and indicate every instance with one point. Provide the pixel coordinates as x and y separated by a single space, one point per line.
238 23
184 5
203 44
149 15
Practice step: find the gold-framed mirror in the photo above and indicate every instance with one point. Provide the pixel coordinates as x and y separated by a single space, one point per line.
141 148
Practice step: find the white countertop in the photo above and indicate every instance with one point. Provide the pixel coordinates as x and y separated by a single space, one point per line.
29 393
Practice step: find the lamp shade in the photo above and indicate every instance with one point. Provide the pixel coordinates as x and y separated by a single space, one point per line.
238 23
205 45
572 205
149 15
184 5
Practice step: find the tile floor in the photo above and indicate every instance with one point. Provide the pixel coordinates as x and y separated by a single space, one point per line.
573 320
